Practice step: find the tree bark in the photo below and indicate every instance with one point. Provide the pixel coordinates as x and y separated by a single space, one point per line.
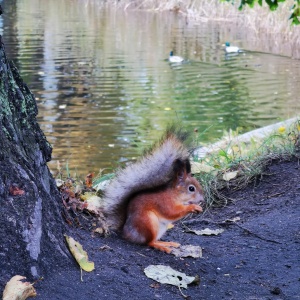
31 225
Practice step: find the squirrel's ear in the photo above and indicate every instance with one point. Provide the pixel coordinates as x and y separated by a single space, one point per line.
188 167
180 165
181 168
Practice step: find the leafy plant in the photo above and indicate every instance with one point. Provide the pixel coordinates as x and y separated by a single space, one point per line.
273 5
237 164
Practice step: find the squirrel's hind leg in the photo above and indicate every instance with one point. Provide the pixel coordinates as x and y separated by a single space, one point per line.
163 246
156 230
141 228
147 229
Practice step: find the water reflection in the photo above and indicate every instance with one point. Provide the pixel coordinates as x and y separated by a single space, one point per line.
104 85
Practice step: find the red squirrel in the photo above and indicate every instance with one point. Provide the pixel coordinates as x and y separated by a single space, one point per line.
149 194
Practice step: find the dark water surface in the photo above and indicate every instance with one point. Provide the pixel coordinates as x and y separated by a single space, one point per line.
104 86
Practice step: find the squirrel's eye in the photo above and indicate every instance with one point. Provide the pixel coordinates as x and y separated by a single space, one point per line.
191 188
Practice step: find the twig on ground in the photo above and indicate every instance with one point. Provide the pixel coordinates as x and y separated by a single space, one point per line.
255 234
231 222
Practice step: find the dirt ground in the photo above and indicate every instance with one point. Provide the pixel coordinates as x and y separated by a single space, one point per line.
257 257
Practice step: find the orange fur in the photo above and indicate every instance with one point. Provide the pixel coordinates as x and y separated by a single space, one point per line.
149 213
149 194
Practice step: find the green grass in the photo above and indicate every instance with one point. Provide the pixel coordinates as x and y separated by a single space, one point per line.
246 162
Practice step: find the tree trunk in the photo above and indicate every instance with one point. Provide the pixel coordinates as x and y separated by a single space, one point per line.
31 226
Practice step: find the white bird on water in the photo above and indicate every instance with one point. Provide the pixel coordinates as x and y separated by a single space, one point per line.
232 49
174 58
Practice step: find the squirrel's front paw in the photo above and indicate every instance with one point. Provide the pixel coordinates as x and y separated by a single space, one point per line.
196 208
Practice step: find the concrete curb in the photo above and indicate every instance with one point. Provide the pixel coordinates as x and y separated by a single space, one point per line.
257 134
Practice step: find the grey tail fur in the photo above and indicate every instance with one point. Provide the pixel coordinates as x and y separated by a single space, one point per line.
153 170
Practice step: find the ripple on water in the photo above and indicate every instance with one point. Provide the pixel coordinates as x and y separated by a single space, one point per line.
104 86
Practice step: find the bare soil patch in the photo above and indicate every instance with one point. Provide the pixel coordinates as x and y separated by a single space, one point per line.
257 257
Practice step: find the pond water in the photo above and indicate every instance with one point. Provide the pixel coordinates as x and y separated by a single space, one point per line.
104 86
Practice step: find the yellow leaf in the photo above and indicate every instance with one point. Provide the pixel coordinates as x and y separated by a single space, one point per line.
86 196
79 254
95 200
235 148
281 129
170 226
16 289
93 204
198 167
229 175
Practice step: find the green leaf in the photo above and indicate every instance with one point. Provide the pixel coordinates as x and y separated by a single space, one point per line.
251 3
242 4
295 16
295 21
223 153
273 4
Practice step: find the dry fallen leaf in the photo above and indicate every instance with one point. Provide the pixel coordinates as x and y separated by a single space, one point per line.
15 191
234 220
187 251
16 289
105 247
59 182
79 254
93 204
78 189
207 231
99 230
89 180
155 285
167 275
230 175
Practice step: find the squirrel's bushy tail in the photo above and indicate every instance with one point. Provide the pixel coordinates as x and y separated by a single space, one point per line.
154 169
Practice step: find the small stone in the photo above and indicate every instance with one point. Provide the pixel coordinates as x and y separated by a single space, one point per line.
276 291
